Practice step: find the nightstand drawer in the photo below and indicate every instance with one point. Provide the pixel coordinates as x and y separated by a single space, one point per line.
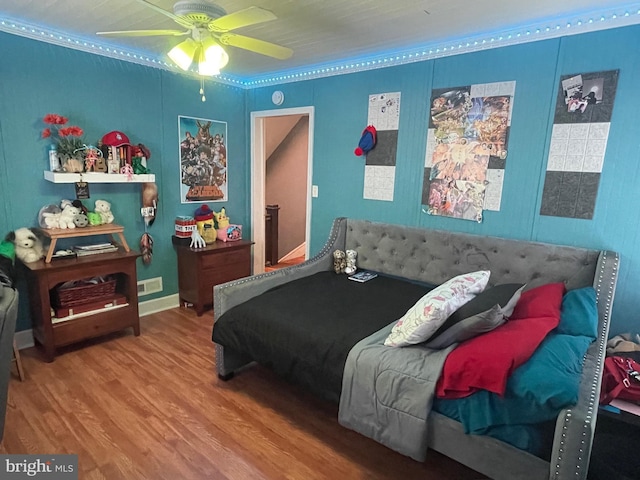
227 258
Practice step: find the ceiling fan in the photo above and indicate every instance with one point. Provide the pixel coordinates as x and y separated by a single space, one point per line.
209 27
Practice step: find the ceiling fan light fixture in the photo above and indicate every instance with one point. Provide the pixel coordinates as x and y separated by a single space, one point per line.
182 54
213 58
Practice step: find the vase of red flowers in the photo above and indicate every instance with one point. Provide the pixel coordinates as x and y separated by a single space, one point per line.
68 138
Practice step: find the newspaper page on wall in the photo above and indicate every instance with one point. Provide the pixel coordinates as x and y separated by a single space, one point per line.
380 165
467 146
578 143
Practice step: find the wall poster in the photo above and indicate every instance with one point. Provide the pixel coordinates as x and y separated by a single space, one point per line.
467 145
380 166
203 160
578 142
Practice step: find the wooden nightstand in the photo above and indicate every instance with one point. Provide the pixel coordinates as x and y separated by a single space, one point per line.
200 269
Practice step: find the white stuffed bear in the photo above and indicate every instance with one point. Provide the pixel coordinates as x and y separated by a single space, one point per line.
28 245
67 215
104 209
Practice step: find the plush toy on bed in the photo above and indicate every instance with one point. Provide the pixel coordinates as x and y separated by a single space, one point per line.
28 245
339 261
350 267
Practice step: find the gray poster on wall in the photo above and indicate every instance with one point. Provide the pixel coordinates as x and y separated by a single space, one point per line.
578 143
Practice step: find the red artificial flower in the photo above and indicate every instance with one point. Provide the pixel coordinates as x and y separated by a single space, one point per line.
46 133
54 119
70 132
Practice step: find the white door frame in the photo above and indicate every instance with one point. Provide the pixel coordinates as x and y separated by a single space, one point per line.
258 162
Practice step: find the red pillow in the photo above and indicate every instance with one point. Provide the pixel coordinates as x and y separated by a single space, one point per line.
485 362
542 301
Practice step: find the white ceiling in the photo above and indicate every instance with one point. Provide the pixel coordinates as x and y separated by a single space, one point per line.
324 31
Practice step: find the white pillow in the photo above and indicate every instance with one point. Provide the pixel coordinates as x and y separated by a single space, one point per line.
430 312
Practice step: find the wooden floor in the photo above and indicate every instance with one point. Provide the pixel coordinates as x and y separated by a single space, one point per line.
152 407
286 263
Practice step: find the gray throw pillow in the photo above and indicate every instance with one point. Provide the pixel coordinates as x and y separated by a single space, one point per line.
486 311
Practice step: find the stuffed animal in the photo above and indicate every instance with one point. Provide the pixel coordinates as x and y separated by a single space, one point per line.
49 216
28 245
104 209
80 205
94 218
221 218
67 215
81 220
351 268
339 261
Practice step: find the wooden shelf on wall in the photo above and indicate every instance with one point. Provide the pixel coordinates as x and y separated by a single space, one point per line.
93 177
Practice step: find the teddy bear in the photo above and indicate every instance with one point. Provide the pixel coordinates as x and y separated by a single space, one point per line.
351 268
104 209
339 261
28 245
67 215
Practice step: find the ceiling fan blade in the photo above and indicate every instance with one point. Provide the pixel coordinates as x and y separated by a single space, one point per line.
241 18
255 45
175 18
143 33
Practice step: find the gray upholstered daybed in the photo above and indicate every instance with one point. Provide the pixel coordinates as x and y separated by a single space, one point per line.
433 257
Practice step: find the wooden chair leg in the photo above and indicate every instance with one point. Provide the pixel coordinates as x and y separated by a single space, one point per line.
16 358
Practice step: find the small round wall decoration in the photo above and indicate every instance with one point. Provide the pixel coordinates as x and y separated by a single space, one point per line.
277 97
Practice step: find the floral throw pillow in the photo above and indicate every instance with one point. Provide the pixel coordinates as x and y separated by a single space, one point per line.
430 312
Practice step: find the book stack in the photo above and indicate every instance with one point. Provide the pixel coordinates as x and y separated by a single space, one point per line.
82 250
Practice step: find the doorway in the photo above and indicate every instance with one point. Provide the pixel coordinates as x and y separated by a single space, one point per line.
259 156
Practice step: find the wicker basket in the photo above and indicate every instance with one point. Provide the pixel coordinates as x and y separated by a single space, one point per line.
84 293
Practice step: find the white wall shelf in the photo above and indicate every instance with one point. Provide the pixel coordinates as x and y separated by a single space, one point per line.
93 177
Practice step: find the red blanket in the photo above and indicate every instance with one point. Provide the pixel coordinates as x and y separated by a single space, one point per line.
485 362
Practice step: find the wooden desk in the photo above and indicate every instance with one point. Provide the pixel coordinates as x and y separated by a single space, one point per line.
200 269
43 277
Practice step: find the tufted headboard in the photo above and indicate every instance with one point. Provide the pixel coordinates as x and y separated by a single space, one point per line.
434 256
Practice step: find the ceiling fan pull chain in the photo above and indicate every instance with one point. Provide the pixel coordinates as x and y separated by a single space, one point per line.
204 99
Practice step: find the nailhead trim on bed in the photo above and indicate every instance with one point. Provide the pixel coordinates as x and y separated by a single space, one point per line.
608 260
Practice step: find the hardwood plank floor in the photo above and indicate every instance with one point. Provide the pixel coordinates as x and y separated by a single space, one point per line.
152 407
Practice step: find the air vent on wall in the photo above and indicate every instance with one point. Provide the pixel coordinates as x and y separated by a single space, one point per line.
150 285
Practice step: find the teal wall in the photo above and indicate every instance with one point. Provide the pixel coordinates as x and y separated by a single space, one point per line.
102 94
341 114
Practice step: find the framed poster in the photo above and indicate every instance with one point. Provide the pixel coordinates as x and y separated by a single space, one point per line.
203 160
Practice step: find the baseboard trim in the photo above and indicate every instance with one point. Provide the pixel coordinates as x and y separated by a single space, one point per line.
24 338
158 304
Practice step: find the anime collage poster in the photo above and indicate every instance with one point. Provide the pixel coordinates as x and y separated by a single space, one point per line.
203 160
467 145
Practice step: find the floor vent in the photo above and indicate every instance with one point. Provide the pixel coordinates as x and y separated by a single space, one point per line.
150 285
